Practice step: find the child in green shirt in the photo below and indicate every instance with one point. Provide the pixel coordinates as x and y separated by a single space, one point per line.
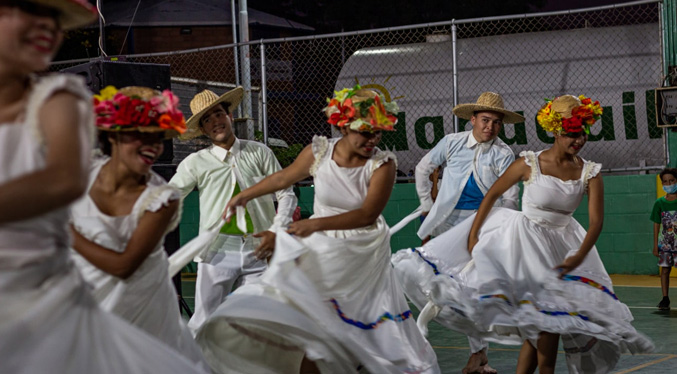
664 216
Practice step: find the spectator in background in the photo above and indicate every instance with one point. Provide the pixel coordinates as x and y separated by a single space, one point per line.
664 217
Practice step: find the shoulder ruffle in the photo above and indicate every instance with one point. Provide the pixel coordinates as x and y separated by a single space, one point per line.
158 195
380 158
531 160
590 170
320 145
44 87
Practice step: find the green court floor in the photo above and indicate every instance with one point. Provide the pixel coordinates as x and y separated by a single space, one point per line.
640 293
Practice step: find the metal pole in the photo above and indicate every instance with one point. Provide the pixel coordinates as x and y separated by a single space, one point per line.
264 102
661 29
246 69
102 35
455 70
235 54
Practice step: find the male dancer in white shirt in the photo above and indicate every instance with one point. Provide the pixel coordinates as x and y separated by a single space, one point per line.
474 161
219 173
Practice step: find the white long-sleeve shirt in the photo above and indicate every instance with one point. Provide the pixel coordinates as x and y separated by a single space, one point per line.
464 156
215 170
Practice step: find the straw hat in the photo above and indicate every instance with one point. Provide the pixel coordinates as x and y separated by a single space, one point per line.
72 13
565 104
487 102
204 102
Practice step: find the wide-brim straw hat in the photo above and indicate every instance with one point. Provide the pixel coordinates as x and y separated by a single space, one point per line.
72 13
487 102
204 102
146 94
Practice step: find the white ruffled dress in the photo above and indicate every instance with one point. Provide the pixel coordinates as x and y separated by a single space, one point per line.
331 296
147 299
49 321
507 291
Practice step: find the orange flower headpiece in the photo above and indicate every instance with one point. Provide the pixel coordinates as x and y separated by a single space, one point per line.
569 114
361 110
140 109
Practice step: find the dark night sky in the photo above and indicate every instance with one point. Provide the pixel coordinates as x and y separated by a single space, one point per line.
332 16
554 5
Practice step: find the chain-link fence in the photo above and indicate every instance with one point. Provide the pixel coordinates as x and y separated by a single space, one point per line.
611 54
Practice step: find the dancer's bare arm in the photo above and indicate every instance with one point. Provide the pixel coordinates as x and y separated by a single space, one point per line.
596 219
151 229
518 171
380 188
297 171
63 178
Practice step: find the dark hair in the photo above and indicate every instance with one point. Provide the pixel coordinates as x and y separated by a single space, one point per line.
225 105
671 171
105 145
488 110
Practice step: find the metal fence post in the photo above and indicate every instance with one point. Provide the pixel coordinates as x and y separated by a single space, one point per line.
669 26
455 70
246 69
264 117
235 54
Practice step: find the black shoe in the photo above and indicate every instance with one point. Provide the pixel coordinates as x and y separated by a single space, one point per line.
664 304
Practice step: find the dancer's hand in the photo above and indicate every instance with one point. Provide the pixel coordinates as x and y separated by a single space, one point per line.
303 227
569 264
655 251
267 246
472 241
235 201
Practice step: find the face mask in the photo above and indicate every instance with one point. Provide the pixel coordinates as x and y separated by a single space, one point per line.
670 189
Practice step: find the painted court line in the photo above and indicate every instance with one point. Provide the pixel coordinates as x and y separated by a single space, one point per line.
646 365
646 307
663 356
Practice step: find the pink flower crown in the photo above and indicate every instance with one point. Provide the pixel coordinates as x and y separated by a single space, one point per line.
138 109
582 116
361 110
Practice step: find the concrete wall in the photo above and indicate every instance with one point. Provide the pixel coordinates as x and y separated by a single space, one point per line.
625 244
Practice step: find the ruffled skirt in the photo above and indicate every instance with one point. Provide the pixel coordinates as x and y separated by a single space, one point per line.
333 300
507 291
49 323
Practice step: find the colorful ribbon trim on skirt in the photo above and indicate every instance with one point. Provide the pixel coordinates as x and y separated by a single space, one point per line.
369 326
589 282
554 313
433 266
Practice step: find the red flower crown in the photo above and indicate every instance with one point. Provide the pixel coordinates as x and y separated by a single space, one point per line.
138 108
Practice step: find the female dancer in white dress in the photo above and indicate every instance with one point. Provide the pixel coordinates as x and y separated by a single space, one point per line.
119 225
494 276
49 322
329 294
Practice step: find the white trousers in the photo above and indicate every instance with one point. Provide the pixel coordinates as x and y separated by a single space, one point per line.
231 266
456 217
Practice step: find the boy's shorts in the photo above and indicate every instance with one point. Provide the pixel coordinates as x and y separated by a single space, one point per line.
666 259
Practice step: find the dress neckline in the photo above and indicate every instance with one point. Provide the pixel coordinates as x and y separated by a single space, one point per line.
98 210
568 181
331 157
